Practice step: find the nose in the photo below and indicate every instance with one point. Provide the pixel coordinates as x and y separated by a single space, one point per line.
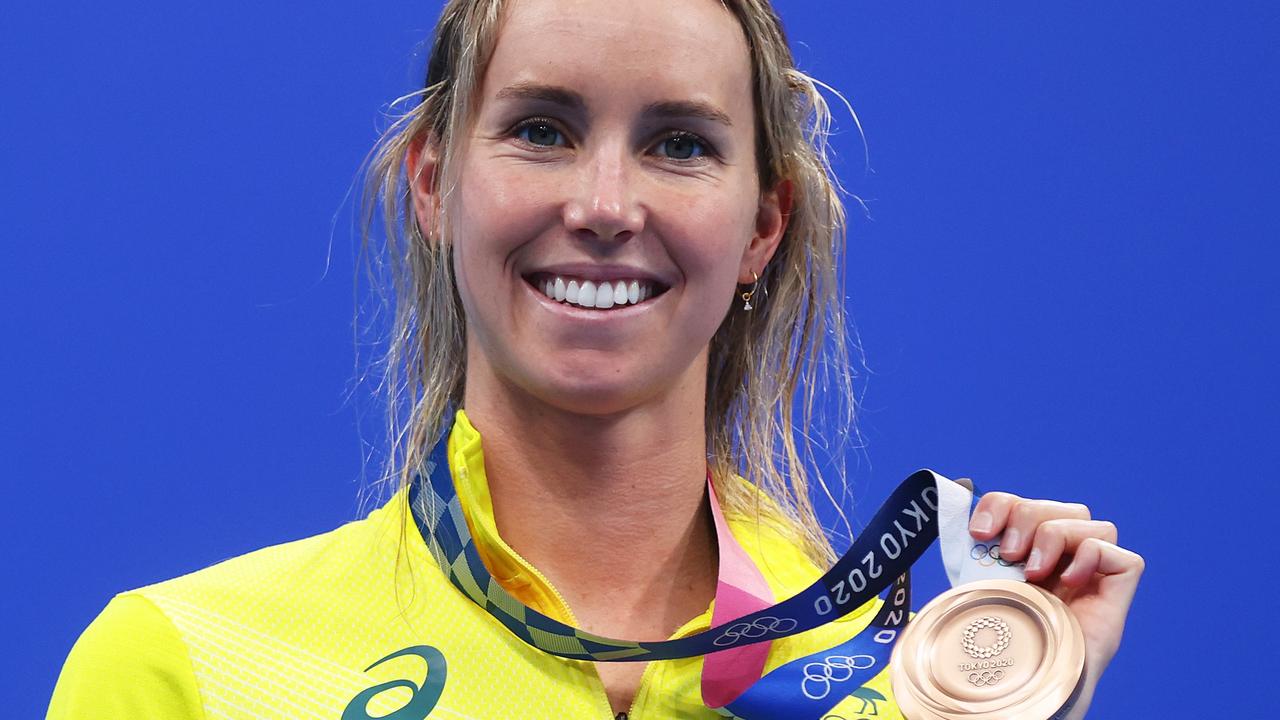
603 203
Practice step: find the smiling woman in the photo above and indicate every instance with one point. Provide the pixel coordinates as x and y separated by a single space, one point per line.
612 249
670 180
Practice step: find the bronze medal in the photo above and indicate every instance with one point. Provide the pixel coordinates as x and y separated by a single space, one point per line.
989 650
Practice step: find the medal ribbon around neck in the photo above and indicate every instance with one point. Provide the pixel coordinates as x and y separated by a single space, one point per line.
897 535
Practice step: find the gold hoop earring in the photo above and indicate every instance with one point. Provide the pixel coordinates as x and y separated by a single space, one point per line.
746 296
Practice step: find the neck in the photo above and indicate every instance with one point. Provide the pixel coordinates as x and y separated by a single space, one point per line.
612 509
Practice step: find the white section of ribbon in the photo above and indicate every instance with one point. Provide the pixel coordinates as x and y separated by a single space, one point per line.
965 558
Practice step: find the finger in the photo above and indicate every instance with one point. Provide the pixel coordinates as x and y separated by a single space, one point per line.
991 514
1027 515
1110 574
1095 556
1060 536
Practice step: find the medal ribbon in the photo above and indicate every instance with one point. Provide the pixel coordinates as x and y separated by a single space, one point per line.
740 590
812 685
897 535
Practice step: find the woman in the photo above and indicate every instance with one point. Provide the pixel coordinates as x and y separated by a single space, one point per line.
617 268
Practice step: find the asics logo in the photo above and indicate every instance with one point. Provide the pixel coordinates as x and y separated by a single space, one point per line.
819 676
755 629
424 697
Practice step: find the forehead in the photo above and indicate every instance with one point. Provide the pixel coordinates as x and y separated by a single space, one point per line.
642 49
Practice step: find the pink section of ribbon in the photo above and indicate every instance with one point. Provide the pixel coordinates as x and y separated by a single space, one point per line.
740 590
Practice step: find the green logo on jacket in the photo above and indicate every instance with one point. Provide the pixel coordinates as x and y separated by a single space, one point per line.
424 697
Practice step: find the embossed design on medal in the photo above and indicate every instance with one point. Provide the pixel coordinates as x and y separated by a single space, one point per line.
969 638
757 628
986 677
981 673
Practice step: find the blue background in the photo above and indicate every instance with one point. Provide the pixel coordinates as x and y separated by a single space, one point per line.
1067 289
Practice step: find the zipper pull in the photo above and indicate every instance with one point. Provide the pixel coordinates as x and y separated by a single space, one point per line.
620 716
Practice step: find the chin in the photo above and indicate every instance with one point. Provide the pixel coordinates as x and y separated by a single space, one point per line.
597 394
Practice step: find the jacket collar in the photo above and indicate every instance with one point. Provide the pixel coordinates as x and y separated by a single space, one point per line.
783 566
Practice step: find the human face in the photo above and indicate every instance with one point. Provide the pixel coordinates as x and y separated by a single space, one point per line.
613 143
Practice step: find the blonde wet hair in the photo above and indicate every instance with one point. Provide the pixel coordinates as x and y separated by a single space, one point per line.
767 368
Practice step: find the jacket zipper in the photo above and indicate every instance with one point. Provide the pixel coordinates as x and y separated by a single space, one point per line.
640 689
564 605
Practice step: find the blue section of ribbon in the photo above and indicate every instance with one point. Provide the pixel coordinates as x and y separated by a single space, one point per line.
898 534
812 685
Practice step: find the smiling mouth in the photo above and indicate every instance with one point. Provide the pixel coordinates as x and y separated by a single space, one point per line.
596 295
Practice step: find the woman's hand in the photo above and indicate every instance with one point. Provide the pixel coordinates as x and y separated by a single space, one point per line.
1073 556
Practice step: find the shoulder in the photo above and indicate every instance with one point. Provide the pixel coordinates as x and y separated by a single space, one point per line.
145 652
130 662
311 557
288 591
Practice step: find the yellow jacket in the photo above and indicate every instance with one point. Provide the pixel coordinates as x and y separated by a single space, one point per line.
297 631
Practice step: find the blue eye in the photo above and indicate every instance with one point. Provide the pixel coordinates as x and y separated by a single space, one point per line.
539 133
683 147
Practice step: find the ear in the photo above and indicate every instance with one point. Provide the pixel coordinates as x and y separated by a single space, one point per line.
771 224
422 161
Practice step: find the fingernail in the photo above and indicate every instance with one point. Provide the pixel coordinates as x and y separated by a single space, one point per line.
1033 560
1012 541
980 522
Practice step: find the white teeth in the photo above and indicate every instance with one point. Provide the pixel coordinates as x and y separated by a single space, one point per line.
604 296
588 294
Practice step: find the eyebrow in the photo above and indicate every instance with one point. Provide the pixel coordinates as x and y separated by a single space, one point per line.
548 93
568 98
688 109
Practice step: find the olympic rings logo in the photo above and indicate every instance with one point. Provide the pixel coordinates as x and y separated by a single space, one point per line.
757 628
818 676
986 677
988 556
